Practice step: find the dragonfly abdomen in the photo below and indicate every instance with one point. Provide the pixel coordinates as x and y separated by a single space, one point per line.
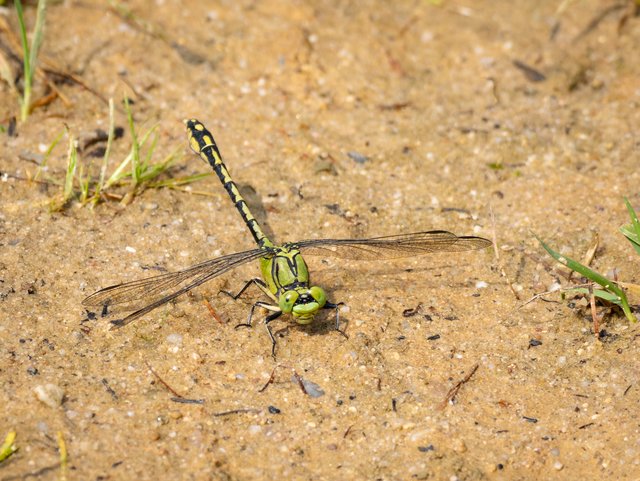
202 142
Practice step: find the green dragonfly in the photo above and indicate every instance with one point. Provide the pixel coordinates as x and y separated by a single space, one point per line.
285 276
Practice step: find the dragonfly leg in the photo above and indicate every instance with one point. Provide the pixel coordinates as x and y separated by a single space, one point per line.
267 320
264 305
331 305
257 281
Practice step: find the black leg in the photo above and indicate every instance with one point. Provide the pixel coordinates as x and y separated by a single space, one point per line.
331 305
255 280
267 320
257 304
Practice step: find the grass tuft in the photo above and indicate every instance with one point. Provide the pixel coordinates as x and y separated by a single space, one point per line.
611 291
133 175
30 52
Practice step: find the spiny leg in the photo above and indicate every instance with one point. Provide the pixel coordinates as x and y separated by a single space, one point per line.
271 317
264 305
258 282
274 315
331 305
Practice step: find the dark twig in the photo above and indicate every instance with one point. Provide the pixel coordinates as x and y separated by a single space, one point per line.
296 376
453 392
237 411
595 21
109 389
270 380
173 391
300 382
212 311
187 401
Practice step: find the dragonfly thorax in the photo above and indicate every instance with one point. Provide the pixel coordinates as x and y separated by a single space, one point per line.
302 302
284 269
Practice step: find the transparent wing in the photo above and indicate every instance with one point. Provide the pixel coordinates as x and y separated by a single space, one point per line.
388 247
144 295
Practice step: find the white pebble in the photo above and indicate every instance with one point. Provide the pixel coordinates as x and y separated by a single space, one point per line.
49 394
254 429
175 339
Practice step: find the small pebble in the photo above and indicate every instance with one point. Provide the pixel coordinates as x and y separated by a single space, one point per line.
175 339
558 465
459 446
357 157
254 429
49 394
311 388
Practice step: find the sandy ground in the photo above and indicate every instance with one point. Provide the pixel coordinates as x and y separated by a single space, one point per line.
526 109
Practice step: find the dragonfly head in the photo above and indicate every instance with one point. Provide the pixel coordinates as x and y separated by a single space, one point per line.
302 303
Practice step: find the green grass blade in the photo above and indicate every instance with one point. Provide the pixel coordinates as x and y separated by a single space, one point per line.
154 170
135 146
72 165
26 94
107 153
58 204
47 154
8 446
38 34
602 294
152 148
173 183
632 231
30 54
631 236
84 182
593 276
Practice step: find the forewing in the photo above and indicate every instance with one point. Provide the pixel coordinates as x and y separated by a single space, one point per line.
388 247
144 295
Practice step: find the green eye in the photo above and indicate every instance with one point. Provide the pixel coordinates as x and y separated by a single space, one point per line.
287 300
319 295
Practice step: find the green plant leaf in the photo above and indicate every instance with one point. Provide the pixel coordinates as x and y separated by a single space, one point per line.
593 276
632 231
602 294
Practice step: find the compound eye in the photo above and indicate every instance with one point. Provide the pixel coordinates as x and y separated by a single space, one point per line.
319 295
287 300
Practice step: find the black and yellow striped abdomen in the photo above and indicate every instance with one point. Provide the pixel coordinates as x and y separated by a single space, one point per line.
202 143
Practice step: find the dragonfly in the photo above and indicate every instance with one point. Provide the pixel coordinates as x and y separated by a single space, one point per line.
285 276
